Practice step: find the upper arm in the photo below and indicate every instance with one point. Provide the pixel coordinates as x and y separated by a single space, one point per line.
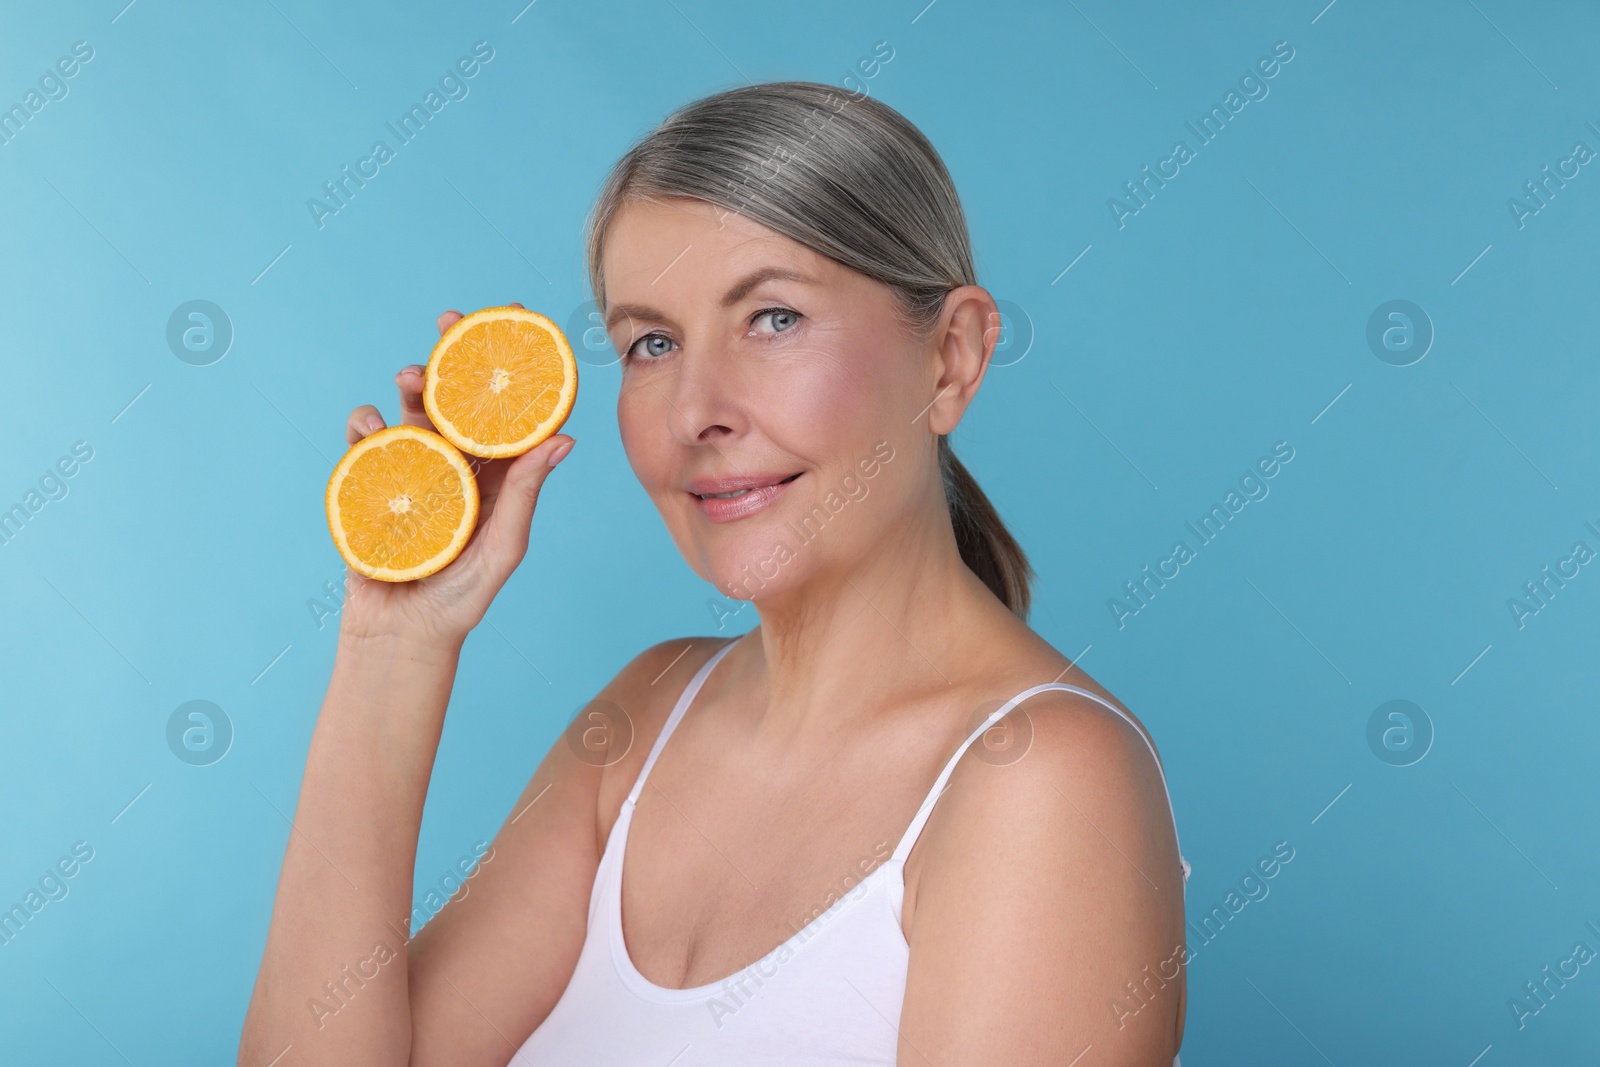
491 965
1052 884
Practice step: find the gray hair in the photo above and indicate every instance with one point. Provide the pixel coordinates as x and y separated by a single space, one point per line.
852 179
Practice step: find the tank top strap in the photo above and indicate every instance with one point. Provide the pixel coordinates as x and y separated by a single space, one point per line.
915 829
684 700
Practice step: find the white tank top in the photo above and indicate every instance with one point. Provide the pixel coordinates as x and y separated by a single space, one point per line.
830 994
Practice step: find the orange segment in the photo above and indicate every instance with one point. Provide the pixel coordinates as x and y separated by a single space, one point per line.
500 381
401 504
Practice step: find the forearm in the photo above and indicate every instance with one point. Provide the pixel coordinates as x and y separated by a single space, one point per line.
333 978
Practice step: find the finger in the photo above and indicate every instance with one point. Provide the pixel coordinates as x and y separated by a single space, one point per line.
449 319
363 421
515 304
519 494
412 411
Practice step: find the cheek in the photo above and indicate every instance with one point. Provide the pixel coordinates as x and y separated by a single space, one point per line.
642 432
830 395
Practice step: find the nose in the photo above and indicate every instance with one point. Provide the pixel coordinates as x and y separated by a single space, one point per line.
703 397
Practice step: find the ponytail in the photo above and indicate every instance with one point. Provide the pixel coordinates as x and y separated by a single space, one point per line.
987 547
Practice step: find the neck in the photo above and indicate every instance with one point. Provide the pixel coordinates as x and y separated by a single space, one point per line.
885 628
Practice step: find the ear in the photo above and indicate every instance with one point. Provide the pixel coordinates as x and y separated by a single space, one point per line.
963 341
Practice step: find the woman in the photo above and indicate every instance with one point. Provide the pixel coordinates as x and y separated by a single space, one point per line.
786 274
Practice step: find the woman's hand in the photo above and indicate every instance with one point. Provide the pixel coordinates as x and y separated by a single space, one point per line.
447 604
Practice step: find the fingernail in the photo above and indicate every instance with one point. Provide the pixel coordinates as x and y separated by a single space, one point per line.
374 423
561 453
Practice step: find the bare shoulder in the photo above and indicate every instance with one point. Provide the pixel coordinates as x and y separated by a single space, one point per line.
1018 659
1064 750
1051 878
1086 736
619 726
1068 779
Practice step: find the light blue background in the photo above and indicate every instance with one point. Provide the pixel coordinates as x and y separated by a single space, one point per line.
1224 317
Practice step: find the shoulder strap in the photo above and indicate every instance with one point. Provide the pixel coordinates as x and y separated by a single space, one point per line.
684 700
904 848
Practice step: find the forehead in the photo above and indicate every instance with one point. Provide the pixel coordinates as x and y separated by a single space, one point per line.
663 246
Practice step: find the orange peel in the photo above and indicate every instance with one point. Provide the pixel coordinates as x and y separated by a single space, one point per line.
402 503
500 381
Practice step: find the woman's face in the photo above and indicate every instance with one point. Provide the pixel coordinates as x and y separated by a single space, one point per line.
804 390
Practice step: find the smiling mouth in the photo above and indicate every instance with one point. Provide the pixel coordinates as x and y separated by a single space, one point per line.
737 493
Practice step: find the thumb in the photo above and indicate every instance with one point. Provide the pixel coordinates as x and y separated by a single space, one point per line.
519 493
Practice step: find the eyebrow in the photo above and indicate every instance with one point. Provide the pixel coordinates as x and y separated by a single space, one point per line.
738 292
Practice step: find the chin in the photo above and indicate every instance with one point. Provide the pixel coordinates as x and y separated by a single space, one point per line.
752 563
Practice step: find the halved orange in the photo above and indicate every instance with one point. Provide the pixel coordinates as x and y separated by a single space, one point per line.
500 381
402 504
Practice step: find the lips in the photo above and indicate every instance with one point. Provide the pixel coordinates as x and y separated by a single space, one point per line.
727 499
704 487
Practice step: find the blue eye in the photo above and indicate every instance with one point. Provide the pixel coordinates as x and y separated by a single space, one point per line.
663 344
653 353
778 314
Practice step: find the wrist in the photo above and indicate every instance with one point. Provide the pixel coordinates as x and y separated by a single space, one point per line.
389 647
394 687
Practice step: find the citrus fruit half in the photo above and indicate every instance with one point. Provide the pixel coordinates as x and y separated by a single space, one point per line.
401 504
500 381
